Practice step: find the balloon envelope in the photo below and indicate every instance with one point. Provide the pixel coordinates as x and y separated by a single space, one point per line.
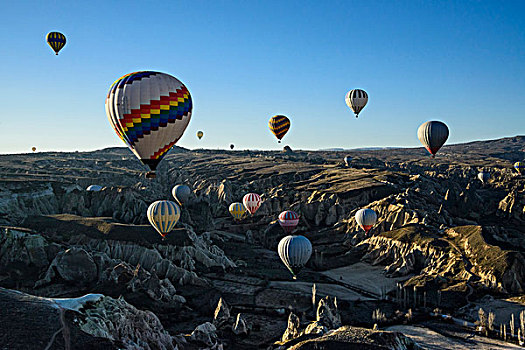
252 202
56 40
237 210
433 135
520 167
200 134
288 220
94 188
366 218
484 176
294 251
163 215
348 160
356 99
149 111
181 193
231 146
279 126
33 149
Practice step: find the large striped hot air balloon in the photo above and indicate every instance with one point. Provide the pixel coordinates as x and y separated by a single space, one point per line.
163 215
56 40
294 251
237 210
520 167
433 135
366 218
149 111
252 202
288 220
356 99
279 125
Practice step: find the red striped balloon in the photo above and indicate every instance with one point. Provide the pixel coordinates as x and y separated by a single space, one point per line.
252 202
288 220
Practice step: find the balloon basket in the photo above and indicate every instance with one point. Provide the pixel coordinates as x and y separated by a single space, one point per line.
151 175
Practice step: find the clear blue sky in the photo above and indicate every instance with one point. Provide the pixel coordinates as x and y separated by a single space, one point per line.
462 62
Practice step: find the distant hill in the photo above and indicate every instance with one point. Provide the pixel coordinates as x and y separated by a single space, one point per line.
127 151
355 149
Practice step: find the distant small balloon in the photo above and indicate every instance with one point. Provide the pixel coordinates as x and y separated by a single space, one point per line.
232 146
288 220
484 176
433 135
33 149
237 210
279 126
348 160
56 40
520 167
94 188
356 99
366 218
252 202
163 215
200 134
181 193
294 251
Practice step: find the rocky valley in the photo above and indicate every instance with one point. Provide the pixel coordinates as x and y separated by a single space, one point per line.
443 268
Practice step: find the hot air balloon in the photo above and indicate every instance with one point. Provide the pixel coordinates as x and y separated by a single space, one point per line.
94 188
33 149
484 176
294 251
348 160
56 40
356 99
432 135
366 218
181 193
200 134
163 215
149 111
279 125
288 220
520 167
252 202
231 146
237 210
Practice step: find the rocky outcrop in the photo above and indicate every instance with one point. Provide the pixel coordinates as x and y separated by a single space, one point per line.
292 329
512 206
458 254
205 336
354 338
89 322
115 319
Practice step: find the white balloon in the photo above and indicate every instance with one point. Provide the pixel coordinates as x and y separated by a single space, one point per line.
294 251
